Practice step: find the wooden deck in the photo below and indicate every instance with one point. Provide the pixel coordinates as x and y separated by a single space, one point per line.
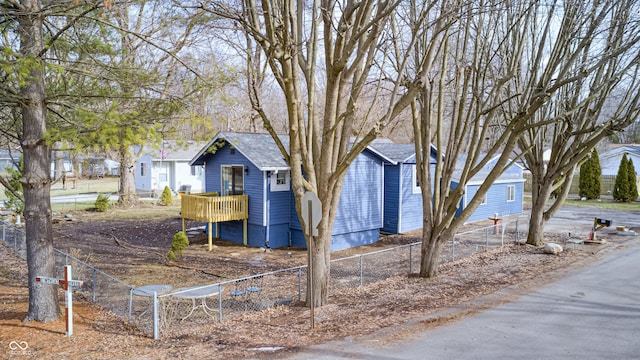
211 208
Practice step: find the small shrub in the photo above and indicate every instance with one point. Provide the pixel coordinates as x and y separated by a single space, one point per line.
102 203
171 256
180 242
166 198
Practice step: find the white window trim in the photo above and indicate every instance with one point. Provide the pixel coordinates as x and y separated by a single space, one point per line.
415 188
511 193
484 200
274 181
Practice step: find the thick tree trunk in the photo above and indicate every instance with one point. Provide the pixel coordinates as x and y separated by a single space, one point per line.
43 298
430 254
536 223
127 194
541 188
320 258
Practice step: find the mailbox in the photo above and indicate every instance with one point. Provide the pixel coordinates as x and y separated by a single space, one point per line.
603 222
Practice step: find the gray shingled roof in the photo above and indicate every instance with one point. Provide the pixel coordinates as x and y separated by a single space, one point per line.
174 150
483 173
260 149
394 153
634 149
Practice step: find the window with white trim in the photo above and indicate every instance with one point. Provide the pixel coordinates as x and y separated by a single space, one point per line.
280 180
511 193
484 200
415 183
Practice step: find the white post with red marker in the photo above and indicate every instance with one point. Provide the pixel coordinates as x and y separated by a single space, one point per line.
67 284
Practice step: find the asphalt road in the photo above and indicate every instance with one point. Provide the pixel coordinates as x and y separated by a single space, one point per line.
593 313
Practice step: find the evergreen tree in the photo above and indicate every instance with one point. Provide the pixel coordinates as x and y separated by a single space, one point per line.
590 171
585 176
597 170
622 188
633 180
596 173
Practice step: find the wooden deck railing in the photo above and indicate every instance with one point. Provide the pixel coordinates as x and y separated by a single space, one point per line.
211 208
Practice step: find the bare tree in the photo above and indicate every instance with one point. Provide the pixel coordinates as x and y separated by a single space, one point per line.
501 64
456 111
338 47
598 47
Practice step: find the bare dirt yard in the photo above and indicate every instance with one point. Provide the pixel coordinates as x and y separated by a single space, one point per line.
134 250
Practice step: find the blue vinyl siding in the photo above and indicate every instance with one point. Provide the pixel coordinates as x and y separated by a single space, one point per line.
294 223
353 239
411 218
253 180
391 198
360 208
233 231
359 215
341 241
496 201
253 187
278 212
297 238
497 195
279 205
279 235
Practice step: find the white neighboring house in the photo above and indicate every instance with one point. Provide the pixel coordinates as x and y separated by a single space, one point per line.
168 165
8 159
610 160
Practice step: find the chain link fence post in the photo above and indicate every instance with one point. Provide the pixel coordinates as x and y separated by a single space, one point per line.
410 259
453 248
156 322
486 239
361 272
299 284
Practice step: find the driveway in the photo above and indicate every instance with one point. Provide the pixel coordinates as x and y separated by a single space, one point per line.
593 313
579 220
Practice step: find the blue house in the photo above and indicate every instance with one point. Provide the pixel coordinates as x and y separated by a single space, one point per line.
403 194
248 174
252 165
505 196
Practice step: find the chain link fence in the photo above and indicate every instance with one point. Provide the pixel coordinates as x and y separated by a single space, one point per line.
181 311
14 238
98 287
159 310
